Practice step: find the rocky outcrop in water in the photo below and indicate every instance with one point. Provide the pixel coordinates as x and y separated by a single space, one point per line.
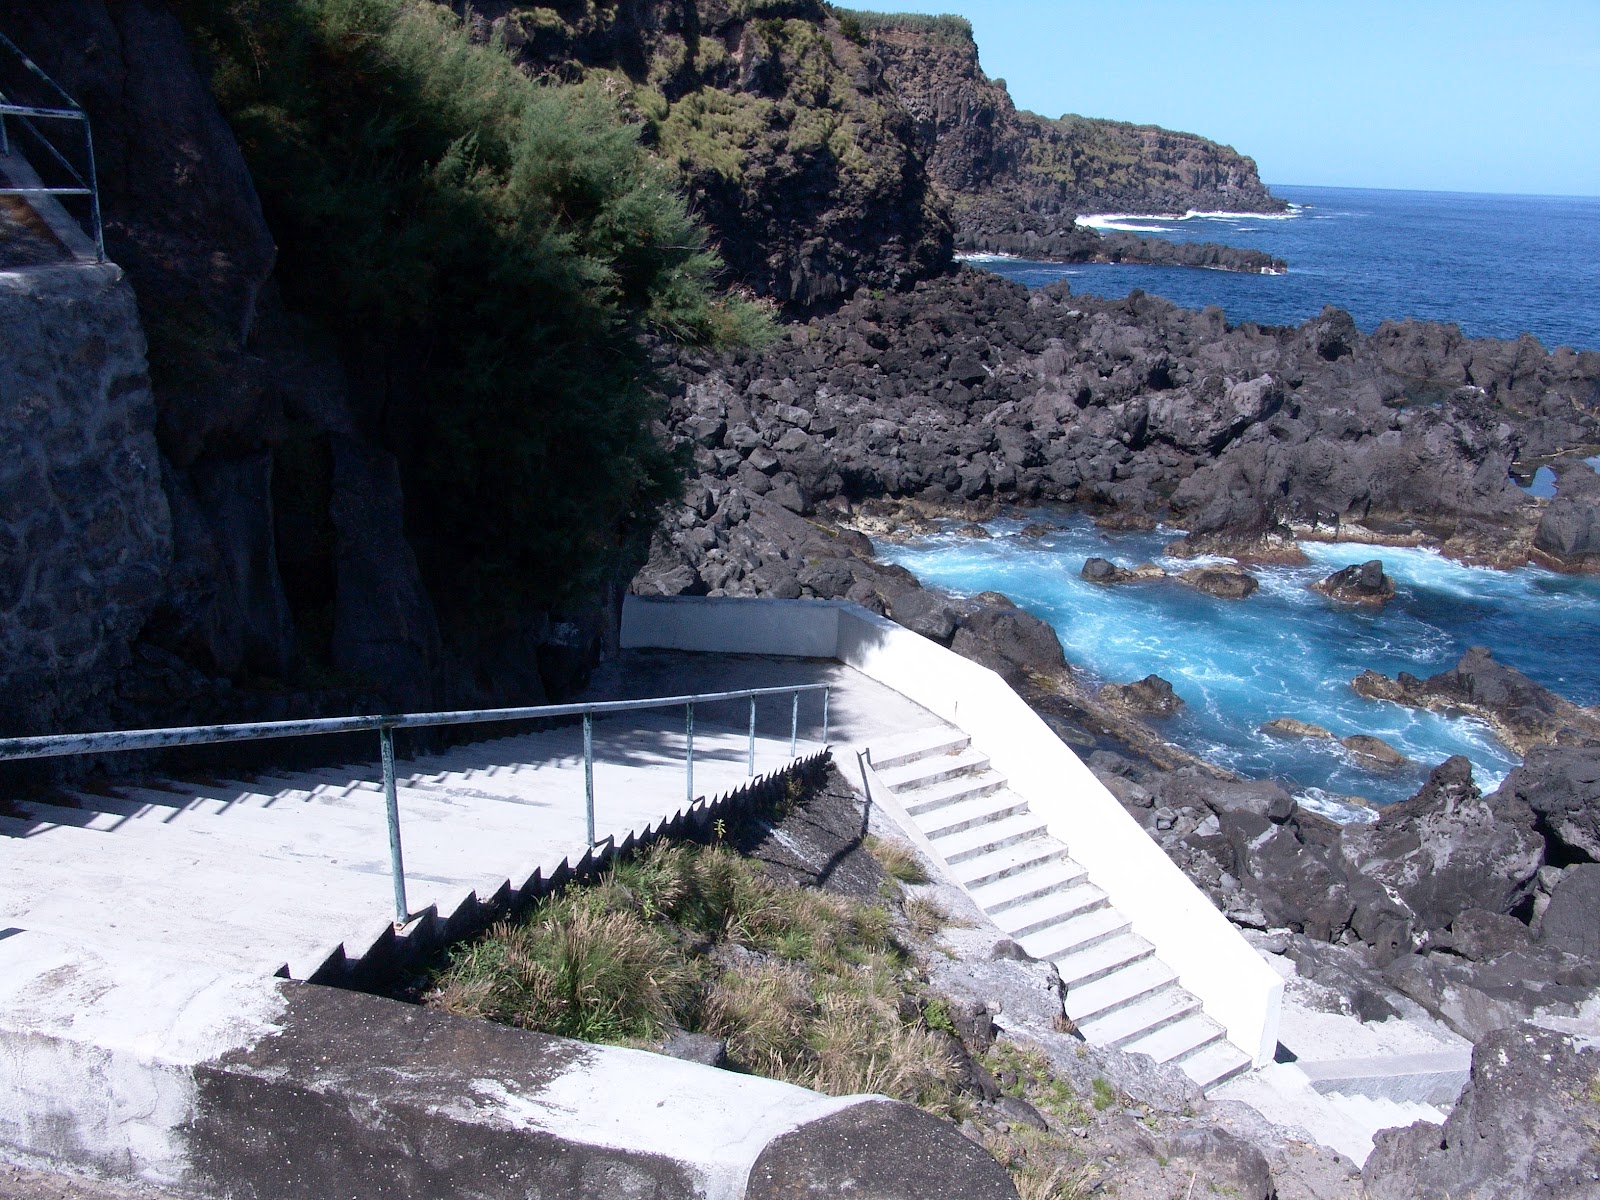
1522 713
1365 584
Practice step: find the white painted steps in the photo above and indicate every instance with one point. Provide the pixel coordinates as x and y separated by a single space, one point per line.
1118 992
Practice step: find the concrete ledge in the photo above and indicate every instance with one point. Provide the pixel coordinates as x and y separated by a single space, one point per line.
210 1084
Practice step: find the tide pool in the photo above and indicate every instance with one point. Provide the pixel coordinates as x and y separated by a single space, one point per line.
1287 651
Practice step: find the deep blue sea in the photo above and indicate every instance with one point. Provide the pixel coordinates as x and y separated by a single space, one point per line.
1498 266
1495 265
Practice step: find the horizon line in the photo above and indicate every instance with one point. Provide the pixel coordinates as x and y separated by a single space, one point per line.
1440 191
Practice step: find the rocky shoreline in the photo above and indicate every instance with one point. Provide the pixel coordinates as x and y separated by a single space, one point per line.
971 395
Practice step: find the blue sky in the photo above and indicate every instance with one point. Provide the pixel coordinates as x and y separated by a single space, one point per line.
1464 96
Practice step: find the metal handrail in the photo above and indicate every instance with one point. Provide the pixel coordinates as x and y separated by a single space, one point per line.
26 115
17 749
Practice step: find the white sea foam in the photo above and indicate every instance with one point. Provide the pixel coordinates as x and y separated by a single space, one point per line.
1342 809
1129 222
1195 214
986 258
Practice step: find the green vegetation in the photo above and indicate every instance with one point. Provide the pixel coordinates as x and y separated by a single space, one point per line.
813 999
855 22
486 249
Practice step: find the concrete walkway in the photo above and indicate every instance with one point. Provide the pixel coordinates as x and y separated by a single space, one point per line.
266 871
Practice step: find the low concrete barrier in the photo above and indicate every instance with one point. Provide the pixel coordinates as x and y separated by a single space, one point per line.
209 1084
1235 987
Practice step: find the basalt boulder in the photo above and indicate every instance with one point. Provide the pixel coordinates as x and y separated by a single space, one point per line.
1229 583
1562 786
1014 643
1524 713
1525 1128
1152 695
1446 850
1364 584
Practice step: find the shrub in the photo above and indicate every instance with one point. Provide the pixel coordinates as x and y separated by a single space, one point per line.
486 248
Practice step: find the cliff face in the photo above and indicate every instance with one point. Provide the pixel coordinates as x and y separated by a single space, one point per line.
1015 178
786 136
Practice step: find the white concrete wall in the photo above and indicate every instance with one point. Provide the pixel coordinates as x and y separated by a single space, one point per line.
1237 989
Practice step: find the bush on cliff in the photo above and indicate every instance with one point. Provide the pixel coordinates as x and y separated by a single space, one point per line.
487 250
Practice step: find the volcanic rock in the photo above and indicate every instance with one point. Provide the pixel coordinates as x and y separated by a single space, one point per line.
1364 584
1445 850
1572 922
1523 713
1289 727
1230 583
1562 785
1525 1128
1373 750
1152 694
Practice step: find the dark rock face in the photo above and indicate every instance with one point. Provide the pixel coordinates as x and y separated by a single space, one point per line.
1522 712
1018 180
1444 851
1572 922
729 95
885 1151
1562 786
1524 1129
1569 530
1364 584
86 533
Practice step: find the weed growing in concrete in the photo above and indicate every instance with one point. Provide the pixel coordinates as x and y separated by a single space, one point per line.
898 861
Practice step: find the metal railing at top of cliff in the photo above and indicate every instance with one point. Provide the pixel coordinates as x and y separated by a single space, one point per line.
60 745
82 183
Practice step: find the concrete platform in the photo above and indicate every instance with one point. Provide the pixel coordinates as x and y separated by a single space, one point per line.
281 873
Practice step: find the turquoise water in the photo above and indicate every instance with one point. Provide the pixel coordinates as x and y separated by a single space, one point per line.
1287 651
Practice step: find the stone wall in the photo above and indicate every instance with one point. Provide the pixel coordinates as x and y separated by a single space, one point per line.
85 531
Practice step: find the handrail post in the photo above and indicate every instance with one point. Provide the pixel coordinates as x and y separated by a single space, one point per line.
588 771
826 692
688 757
794 724
94 194
751 766
397 867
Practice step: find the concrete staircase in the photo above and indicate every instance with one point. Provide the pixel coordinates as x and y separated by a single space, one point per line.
289 873
1118 993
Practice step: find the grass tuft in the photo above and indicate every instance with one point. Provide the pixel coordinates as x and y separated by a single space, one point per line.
898 860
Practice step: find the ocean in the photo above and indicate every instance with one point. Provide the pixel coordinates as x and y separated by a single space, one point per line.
1496 265
1287 651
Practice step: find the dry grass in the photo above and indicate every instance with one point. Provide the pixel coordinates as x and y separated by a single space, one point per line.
926 917
897 860
578 971
803 986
